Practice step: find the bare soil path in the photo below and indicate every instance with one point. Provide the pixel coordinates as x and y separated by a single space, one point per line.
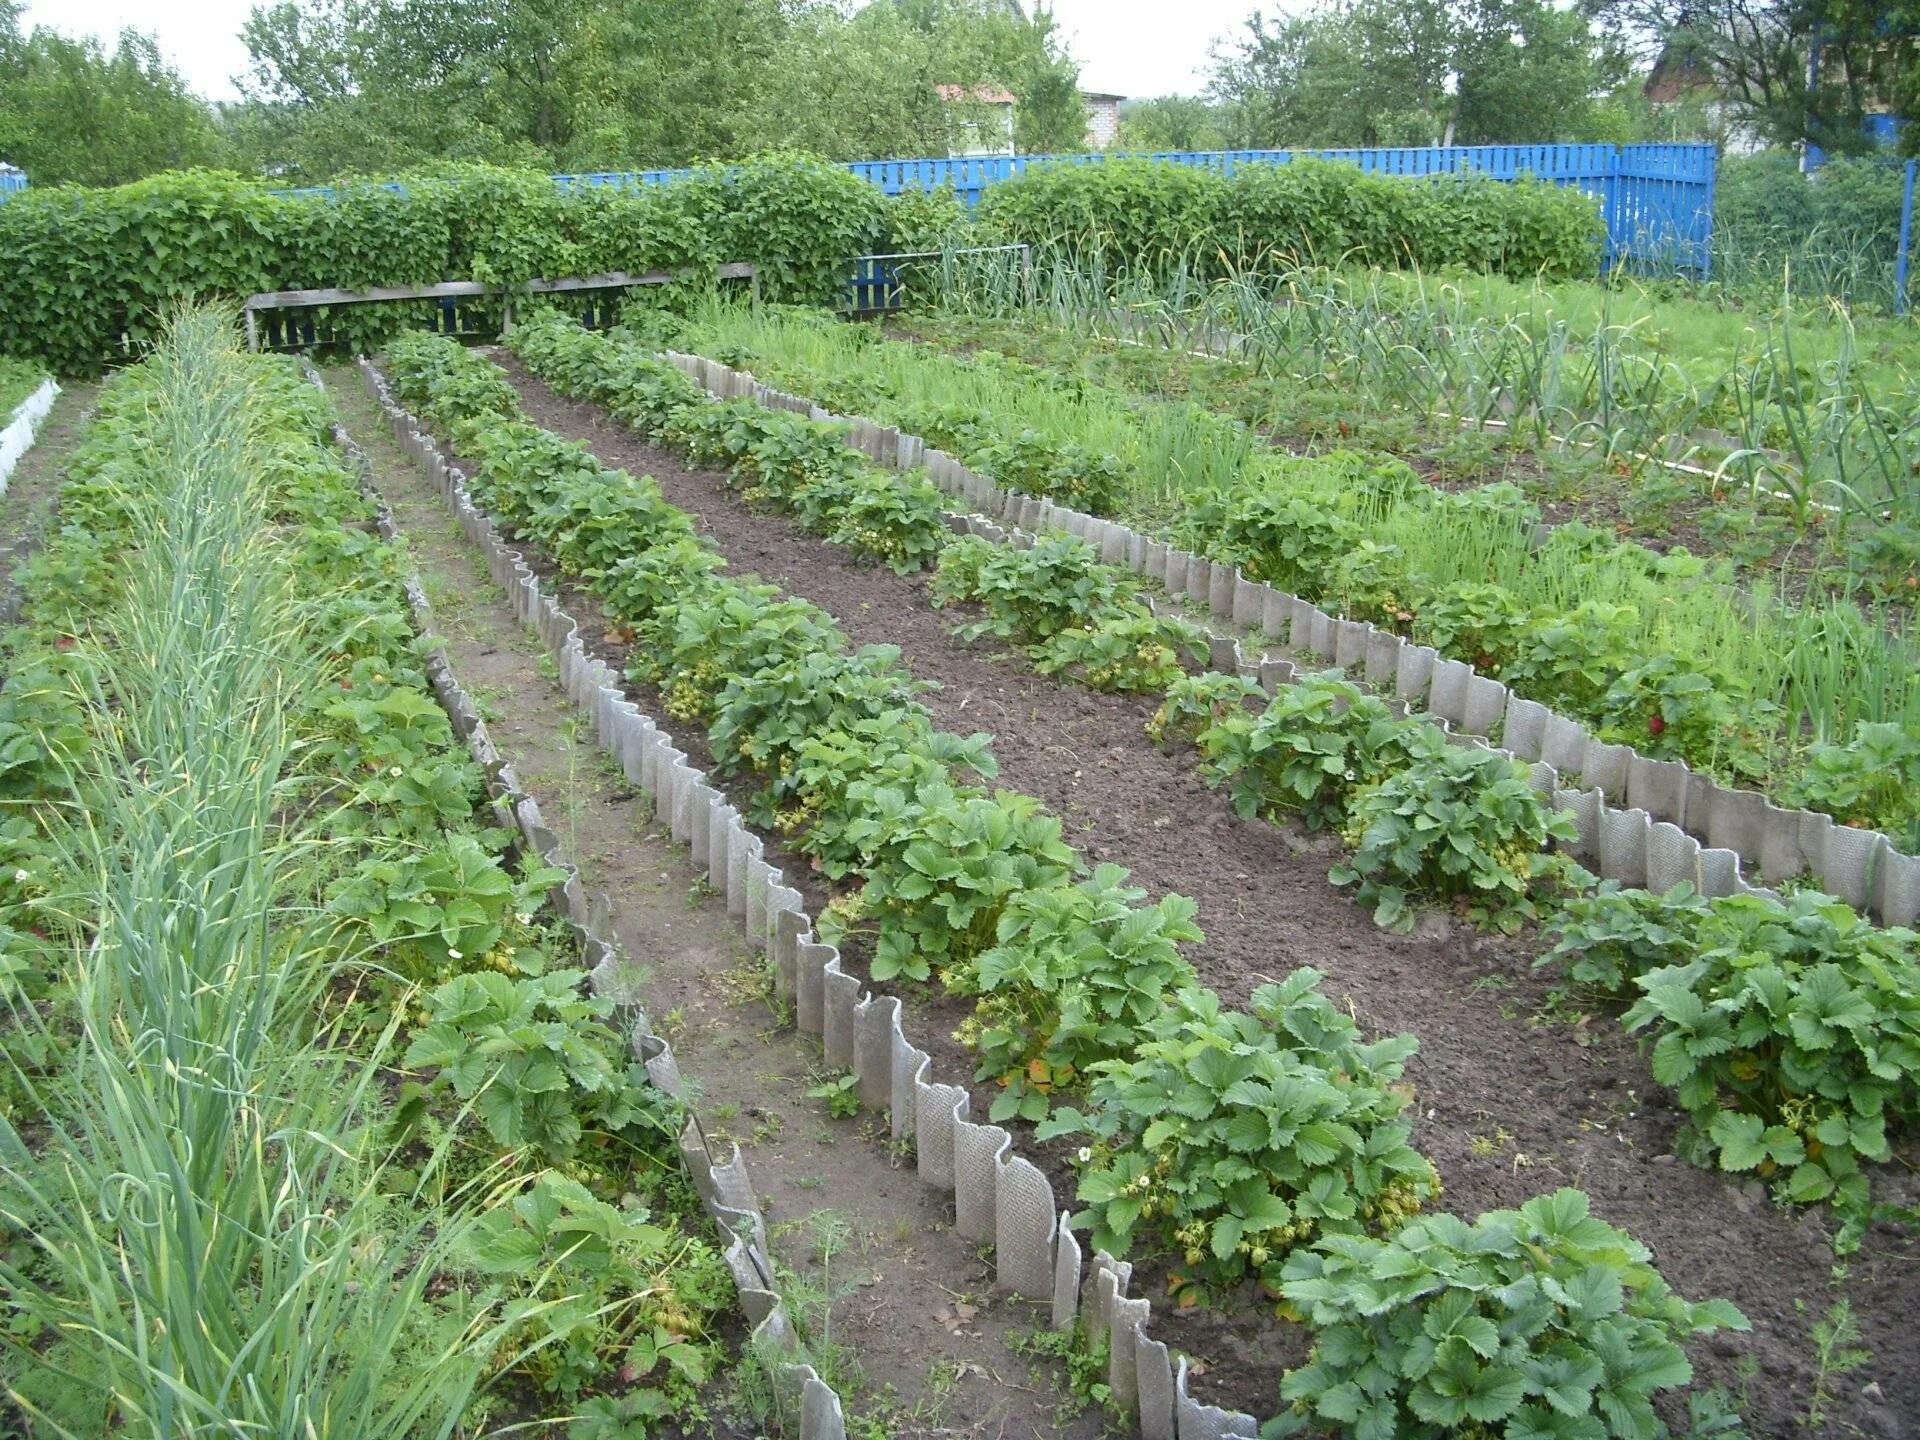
905 1321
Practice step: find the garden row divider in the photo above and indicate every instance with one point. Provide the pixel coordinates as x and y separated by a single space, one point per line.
724 1187
17 438
999 1197
1640 820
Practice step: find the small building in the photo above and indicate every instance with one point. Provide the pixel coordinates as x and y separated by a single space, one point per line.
979 119
1103 119
11 179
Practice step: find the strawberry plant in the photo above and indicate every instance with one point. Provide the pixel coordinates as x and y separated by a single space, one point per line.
1284 538
632 1297
1667 710
1873 780
1128 649
1456 822
764 718
1193 704
1482 624
1233 1137
1030 595
1314 744
941 866
1036 463
1541 1321
899 750
443 905
1076 975
541 1065
1791 1036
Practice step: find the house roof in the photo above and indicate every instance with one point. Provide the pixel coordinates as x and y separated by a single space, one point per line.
978 94
1099 95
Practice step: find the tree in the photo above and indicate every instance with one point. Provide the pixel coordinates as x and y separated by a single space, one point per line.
1758 54
1172 122
72 111
1376 72
617 84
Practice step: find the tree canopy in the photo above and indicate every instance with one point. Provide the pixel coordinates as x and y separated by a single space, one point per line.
1415 72
73 110
590 84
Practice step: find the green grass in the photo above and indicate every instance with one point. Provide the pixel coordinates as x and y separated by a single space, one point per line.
18 380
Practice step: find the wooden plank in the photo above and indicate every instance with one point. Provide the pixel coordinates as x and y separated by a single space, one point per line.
468 289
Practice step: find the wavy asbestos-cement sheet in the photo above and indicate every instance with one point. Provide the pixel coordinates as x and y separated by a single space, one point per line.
720 1180
1643 822
999 1197
17 438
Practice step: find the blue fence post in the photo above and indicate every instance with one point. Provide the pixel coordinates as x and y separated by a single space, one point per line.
1901 266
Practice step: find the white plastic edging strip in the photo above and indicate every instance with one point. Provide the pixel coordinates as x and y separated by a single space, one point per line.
17 438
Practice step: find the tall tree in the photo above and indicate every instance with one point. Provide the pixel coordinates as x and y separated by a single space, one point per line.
70 110
1377 72
1792 70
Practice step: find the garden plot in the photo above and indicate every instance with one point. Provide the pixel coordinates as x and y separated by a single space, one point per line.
1814 704
899 1312
363 1284
1704 1206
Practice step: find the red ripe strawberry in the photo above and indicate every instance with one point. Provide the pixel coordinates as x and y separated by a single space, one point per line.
1657 724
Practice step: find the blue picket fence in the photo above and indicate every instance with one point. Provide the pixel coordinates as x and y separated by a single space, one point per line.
1657 199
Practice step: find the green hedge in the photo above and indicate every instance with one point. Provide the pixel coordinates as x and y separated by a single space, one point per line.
1124 214
88 277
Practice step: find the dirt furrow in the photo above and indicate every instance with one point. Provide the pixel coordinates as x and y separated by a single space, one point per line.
905 1322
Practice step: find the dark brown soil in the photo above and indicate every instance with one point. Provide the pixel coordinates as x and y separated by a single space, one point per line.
920 1340
1517 1093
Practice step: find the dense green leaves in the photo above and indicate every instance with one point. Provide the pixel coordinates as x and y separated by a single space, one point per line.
1128 215
1536 1322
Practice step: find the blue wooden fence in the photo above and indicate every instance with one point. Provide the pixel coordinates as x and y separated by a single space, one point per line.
1657 199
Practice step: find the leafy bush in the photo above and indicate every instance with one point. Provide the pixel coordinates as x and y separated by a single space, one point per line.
941 866
1235 1137
1128 214
1316 742
1873 780
87 266
1076 975
1541 1321
1788 1030
1457 821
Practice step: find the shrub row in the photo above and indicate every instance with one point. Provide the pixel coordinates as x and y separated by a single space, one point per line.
1127 215
517 1075
1238 1139
87 277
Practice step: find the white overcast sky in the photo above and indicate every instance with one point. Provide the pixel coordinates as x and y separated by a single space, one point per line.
1130 47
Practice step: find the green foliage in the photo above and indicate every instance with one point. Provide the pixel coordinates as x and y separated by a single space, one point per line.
1130 215
74 112
1788 1030
1532 1322
430 908
541 1064
88 265
941 865
1194 704
1456 822
1315 744
1235 1137
1076 975
1873 780
633 1297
